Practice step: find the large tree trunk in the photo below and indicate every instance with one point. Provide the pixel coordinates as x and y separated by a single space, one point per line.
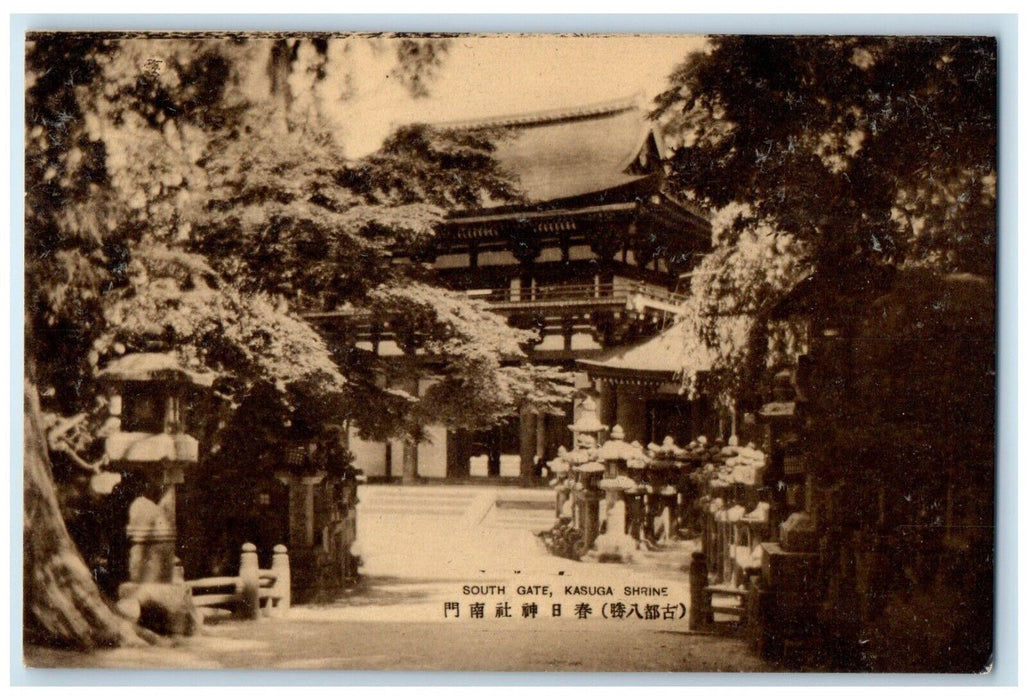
62 604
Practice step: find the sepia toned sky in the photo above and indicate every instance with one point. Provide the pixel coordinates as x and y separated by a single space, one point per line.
498 75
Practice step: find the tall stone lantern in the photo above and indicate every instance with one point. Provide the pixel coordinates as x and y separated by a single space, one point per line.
149 395
588 471
662 507
563 480
615 453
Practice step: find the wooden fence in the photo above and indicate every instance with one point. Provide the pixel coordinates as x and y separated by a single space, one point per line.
253 591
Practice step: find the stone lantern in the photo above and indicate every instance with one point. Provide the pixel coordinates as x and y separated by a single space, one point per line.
562 481
663 503
616 544
588 472
587 428
149 397
615 453
587 495
635 497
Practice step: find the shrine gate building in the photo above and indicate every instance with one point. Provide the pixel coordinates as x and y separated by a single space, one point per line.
592 260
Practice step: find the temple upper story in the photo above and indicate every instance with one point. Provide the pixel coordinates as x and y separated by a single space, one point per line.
592 254
592 184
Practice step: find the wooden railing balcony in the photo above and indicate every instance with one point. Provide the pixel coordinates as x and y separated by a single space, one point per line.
615 294
631 296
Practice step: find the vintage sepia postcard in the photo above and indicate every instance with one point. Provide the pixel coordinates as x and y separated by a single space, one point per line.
496 352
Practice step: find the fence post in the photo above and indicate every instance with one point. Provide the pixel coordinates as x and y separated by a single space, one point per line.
700 614
249 582
283 583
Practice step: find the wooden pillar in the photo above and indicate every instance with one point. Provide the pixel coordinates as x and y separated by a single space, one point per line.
540 437
631 413
528 441
301 507
410 444
458 453
608 404
410 460
567 329
495 457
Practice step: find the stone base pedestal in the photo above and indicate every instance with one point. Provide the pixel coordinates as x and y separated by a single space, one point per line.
615 544
152 561
164 608
587 506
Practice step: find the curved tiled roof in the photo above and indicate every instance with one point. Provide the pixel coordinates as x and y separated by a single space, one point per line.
659 355
568 153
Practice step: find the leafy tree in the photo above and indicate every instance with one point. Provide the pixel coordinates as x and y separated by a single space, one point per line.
291 217
103 209
186 193
727 345
883 148
862 152
876 159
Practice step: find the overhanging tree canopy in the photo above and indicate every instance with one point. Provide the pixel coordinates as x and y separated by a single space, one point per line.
854 152
186 193
871 146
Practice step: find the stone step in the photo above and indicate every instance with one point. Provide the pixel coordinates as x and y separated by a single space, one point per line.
525 504
726 590
414 506
540 516
503 508
415 494
410 513
527 525
529 519
415 502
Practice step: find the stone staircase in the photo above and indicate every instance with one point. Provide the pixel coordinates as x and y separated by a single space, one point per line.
500 507
728 602
527 510
416 501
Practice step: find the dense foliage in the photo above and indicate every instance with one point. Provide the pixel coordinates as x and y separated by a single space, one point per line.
728 344
193 194
839 156
869 164
879 147
185 190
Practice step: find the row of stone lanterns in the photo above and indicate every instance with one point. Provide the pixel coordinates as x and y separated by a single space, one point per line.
619 484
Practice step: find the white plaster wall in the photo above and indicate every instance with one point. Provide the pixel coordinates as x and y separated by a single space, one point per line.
480 465
552 341
367 455
583 341
432 453
451 260
581 252
397 454
389 348
510 465
496 257
549 255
